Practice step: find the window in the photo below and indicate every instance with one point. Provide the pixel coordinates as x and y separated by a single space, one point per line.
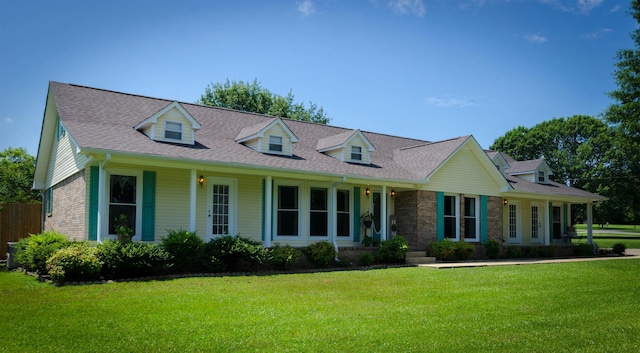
275 143
288 211
541 177
343 211
513 222
122 201
60 130
451 225
49 202
319 215
471 218
356 153
173 130
220 210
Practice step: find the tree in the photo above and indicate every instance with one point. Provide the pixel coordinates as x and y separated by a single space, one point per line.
252 97
624 115
16 176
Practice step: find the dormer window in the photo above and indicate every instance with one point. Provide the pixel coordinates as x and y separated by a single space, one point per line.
173 130
275 144
356 153
541 177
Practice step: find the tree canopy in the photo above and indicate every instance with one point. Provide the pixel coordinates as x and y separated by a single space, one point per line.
252 97
16 176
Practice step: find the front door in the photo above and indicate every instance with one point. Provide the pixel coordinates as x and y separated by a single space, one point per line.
221 207
537 223
376 206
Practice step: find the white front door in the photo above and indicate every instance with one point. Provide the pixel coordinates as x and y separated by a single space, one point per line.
514 227
537 223
222 209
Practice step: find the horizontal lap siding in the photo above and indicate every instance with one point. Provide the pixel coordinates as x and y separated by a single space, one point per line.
64 160
464 174
250 207
175 116
172 201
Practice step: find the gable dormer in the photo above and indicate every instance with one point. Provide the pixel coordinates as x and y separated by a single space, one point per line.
351 146
500 162
171 124
272 136
542 173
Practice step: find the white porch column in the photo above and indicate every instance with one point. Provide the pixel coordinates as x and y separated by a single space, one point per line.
268 202
102 190
192 200
333 216
383 214
547 223
590 223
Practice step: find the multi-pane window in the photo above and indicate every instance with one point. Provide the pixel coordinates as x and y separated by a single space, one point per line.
173 130
343 213
220 209
122 201
470 218
513 222
288 210
356 153
275 143
541 178
534 222
319 215
450 217
49 201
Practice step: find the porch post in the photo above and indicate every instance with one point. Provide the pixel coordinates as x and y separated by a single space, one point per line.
383 215
102 189
589 223
192 200
547 223
268 195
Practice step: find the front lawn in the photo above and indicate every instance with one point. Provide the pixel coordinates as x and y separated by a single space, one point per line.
581 307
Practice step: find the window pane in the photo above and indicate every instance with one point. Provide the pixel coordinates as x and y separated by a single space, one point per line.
470 228
114 214
275 143
288 223
318 199
287 197
123 189
343 225
450 205
469 207
450 227
343 200
318 221
356 153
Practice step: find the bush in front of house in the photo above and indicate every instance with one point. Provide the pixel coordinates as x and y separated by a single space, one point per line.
444 249
619 248
513 252
282 257
584 249
233 253
366 259
492 248
186 248
33 252
132 260
320 254
392 251
464 250
76 263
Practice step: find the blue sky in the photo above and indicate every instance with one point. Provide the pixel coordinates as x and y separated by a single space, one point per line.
428 69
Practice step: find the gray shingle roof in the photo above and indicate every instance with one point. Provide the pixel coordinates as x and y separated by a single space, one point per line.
529 166
335 140
551 188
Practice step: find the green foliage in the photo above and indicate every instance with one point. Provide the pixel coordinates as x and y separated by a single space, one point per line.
17 168
619 248
132 260
464 250
33 252
584 249
541 251
369 241
513 252
366 259
252 97
76 263
320 254
186 248
393 250
492 248
444 250
230 253
282 257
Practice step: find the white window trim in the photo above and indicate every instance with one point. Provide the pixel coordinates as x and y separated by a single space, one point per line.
541 231
477 218
166 129
518 238
351 196
307 210
269 143
544 176
301 210
352 153
137 236
457 217
233 205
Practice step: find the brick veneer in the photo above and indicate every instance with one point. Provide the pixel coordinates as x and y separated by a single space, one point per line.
68 215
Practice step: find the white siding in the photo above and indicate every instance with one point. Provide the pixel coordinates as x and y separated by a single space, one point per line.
64 160
277 130
174 115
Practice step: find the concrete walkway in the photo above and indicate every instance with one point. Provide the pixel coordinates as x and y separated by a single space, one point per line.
629 254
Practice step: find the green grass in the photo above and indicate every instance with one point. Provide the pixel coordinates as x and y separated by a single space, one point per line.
572 307
606 240
621 227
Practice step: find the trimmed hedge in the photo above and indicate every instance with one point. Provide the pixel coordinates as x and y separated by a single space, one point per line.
392 251
76 263
33 252
186 248
229 253
131 260
320 254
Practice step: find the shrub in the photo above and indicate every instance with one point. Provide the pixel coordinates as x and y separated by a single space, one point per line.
366 259
320 254
619 248
513 252
547 251
584 249
282 257
33 252
444 250
464 250
393 250
76 263
229 253
132 260
186 248
492 248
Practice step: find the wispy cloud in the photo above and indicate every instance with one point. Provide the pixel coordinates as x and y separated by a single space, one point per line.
586 6
535 38
597 34
615 9
408 7
306 8
579 6
7 120
447 102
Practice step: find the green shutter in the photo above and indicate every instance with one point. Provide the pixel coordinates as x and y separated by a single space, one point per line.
440 215
148 205
94 189
356 214
484 219
550 220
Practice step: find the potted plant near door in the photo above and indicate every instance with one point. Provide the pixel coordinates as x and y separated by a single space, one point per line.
367 219
124 232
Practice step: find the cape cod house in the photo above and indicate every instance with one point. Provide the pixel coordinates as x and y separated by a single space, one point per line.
170 165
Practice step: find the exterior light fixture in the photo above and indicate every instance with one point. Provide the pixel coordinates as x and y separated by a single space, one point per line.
367 192
505 202
393 193
201 181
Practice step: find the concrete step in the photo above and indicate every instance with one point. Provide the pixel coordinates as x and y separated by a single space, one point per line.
414 253
420 260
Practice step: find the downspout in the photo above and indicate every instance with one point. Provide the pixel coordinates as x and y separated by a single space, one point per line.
101 191
334 239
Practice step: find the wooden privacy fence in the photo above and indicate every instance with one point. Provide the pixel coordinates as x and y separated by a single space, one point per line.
17 221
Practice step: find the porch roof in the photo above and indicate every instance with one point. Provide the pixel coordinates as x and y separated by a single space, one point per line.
551 190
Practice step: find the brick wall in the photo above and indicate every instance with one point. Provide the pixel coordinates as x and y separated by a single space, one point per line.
68 214
494 206
415 213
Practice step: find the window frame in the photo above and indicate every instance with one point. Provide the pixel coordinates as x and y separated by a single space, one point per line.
327 206
138 202
456 216
49 202
358 153
172 130
349 212
476 218
275 206
272 143
542 176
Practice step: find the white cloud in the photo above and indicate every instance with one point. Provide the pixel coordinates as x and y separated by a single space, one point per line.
535 38
450 101
306 7
587 5
597 34
7 120
579 6
615 9
412 7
